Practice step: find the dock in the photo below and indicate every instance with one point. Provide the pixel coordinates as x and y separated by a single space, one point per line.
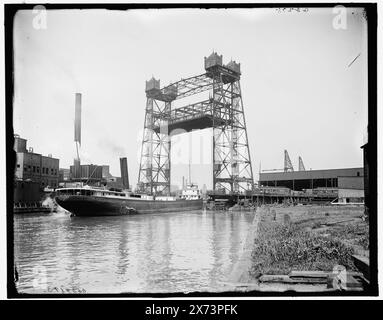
31 208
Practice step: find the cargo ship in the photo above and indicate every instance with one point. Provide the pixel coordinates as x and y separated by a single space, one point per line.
95 201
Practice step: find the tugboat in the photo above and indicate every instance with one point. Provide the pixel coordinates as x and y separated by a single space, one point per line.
98 201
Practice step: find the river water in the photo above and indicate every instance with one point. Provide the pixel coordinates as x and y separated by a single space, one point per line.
174 252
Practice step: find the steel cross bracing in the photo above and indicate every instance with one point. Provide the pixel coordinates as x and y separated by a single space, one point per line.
154 173
232 169
223 112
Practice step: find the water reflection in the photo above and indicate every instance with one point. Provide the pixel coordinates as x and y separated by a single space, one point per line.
175 252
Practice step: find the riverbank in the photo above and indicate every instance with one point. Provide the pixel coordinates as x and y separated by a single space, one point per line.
297 248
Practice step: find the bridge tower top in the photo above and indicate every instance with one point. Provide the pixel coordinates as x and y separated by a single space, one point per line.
152 84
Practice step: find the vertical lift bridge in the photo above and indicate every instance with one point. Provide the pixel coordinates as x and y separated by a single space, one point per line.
223 112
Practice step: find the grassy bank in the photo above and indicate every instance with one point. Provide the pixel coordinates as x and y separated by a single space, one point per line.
308 238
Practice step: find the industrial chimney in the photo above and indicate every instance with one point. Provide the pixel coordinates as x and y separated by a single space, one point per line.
77 119
124 172
77 135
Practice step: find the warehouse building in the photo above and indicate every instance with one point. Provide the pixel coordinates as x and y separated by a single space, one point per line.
33 172
351 189
64 174
311 179
31 166
87 173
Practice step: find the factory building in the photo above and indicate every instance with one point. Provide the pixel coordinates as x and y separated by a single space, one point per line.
310 179
88 173
96 175
64 174
33 172
110 181
106 172
35 167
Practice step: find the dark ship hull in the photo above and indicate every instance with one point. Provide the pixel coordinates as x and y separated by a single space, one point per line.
80 205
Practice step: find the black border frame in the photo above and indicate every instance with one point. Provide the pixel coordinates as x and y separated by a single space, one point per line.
371 16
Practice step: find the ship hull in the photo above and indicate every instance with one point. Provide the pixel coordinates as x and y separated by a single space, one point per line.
101 206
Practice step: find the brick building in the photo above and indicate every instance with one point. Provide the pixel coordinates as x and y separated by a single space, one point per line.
35 167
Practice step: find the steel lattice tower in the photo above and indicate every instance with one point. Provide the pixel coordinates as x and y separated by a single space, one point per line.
154 175
223 112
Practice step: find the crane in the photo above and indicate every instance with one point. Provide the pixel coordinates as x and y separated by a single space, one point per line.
288 167
301 165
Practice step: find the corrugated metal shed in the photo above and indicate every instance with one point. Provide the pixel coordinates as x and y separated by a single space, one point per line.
311 174
356 183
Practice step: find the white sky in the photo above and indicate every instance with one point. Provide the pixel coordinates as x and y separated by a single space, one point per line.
298 92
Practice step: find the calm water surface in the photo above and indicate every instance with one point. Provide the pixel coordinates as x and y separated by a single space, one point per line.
175 252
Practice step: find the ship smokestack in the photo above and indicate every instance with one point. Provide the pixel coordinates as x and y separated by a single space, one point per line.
124 172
